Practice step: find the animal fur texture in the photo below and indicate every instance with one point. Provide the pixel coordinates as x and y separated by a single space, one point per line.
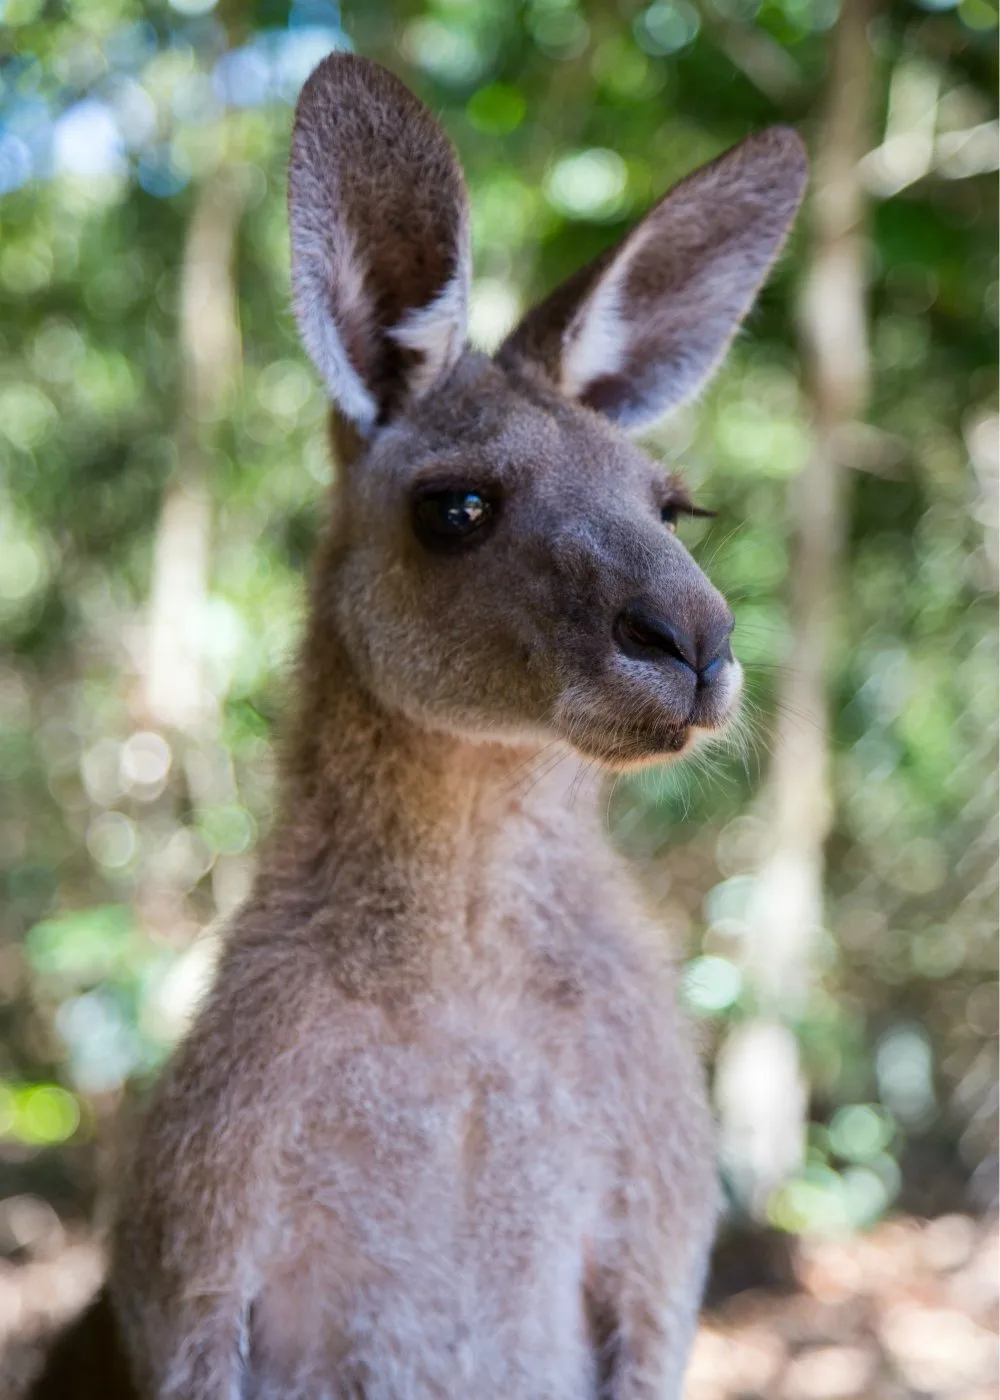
438 1130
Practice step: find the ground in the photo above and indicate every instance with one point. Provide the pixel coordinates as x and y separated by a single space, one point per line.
906 1312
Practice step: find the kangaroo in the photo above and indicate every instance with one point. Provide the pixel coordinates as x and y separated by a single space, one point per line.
438 1130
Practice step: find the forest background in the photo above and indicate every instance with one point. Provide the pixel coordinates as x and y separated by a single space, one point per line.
830 881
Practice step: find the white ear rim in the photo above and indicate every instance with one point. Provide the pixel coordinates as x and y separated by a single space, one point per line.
317 269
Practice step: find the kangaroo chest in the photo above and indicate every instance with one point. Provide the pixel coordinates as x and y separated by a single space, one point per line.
439 1201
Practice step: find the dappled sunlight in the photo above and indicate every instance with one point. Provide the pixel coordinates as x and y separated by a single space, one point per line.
163 475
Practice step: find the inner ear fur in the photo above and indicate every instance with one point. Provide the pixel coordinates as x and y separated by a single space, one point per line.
644 326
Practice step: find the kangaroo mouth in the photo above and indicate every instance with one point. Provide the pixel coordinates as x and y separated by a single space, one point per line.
622 729
638 749
618 741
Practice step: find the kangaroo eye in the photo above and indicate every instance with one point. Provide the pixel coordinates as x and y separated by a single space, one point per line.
671 513
446 520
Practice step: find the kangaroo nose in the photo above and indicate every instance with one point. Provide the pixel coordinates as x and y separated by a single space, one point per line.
644 636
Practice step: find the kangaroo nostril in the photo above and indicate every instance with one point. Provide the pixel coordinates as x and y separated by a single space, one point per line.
643 636
714 650
710 673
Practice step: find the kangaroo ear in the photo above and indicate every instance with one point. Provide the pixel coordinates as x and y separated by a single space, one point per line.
644 326
380 239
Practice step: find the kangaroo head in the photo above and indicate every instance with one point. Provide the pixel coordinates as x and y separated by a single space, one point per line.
502 561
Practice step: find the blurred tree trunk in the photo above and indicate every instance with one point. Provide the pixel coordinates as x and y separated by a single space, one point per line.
176 696
761 1089
210 359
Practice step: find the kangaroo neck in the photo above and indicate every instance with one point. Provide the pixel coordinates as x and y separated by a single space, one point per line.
387 831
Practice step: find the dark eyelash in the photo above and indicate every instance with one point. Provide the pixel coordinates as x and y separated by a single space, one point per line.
682 507
676 501
672 509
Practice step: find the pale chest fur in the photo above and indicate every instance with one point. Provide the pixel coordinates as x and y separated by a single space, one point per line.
447 1183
